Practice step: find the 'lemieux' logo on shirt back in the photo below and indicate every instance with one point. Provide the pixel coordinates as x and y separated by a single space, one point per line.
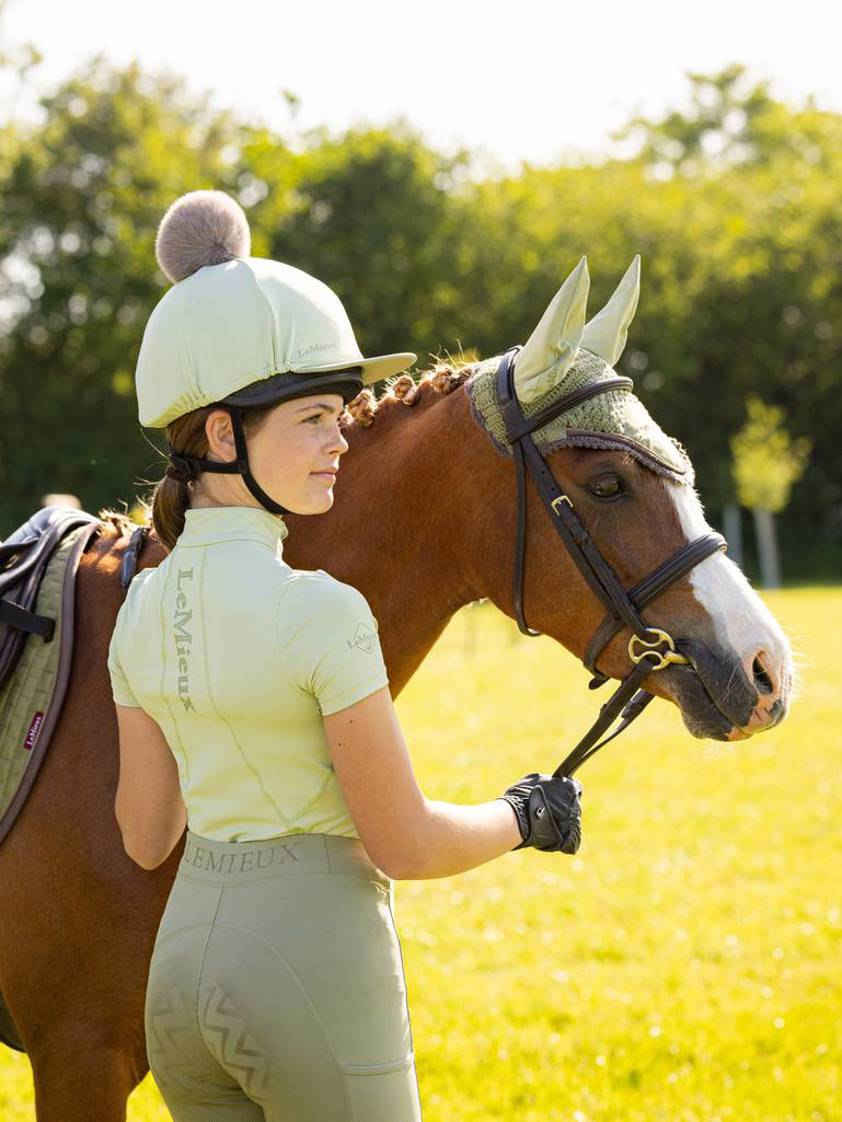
183 637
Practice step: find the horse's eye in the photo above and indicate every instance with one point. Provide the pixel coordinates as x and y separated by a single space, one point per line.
606 487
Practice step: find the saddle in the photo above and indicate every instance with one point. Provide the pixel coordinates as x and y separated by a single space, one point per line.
38 564
23 562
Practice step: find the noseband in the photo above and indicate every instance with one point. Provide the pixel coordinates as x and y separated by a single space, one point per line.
650 648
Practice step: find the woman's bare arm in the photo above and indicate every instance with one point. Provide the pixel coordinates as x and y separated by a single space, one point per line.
150 810
407 835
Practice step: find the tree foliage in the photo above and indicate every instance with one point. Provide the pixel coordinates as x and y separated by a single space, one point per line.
733 202
767 461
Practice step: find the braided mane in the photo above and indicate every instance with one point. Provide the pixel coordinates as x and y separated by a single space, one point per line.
442 378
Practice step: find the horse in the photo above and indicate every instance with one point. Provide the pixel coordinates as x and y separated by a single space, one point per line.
423 523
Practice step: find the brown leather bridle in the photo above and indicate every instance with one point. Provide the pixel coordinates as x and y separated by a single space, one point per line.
624 605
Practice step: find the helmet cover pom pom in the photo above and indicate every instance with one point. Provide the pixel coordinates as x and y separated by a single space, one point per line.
201 228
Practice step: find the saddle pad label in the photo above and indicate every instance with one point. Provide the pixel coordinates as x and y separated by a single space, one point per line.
32 735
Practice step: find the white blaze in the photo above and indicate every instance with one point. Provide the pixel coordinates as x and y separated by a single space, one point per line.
741 619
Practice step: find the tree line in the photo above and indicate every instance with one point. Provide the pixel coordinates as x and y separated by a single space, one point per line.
733 201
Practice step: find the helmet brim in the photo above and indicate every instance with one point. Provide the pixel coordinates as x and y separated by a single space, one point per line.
374 369
346 380
284 387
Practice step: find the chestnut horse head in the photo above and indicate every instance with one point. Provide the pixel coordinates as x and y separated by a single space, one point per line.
425 519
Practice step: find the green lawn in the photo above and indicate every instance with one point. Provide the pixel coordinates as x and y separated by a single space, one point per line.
684 966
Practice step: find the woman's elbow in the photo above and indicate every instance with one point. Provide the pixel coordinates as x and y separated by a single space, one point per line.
405 864
142 854
149 844
147 864
143 850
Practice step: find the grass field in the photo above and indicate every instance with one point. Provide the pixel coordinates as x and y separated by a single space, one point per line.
684 966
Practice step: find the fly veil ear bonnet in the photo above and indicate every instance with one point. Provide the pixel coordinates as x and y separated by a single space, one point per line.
565 354
240 331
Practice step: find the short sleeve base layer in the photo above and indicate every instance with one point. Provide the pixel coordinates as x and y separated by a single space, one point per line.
237 656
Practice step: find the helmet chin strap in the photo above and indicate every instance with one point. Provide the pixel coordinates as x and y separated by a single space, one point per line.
243 463
192 465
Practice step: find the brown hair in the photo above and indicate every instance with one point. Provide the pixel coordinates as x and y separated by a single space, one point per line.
171 497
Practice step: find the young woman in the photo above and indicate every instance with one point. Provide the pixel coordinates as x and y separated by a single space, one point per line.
254 709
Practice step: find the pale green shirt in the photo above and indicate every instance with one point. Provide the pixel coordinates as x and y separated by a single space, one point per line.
237 656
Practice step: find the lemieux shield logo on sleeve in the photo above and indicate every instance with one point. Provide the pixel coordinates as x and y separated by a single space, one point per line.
364 638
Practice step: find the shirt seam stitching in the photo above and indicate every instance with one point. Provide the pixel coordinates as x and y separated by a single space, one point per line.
255 773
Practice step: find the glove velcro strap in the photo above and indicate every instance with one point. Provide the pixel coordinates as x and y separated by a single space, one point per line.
545 834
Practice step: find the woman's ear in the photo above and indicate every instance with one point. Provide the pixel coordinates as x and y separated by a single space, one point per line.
220 434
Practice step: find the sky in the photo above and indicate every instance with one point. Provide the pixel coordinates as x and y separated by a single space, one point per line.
529 80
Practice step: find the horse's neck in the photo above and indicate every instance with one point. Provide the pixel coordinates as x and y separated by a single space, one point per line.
393 533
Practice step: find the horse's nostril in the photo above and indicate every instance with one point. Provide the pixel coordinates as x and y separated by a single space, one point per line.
761 677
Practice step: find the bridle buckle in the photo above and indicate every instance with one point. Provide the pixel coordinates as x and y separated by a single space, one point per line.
664 658
561 499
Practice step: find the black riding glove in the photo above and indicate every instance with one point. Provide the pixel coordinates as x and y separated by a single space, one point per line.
548 811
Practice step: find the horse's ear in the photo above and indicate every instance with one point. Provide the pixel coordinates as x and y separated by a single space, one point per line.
607 332
549 351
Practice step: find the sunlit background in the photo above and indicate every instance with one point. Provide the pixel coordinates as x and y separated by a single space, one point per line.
537 82
443 167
